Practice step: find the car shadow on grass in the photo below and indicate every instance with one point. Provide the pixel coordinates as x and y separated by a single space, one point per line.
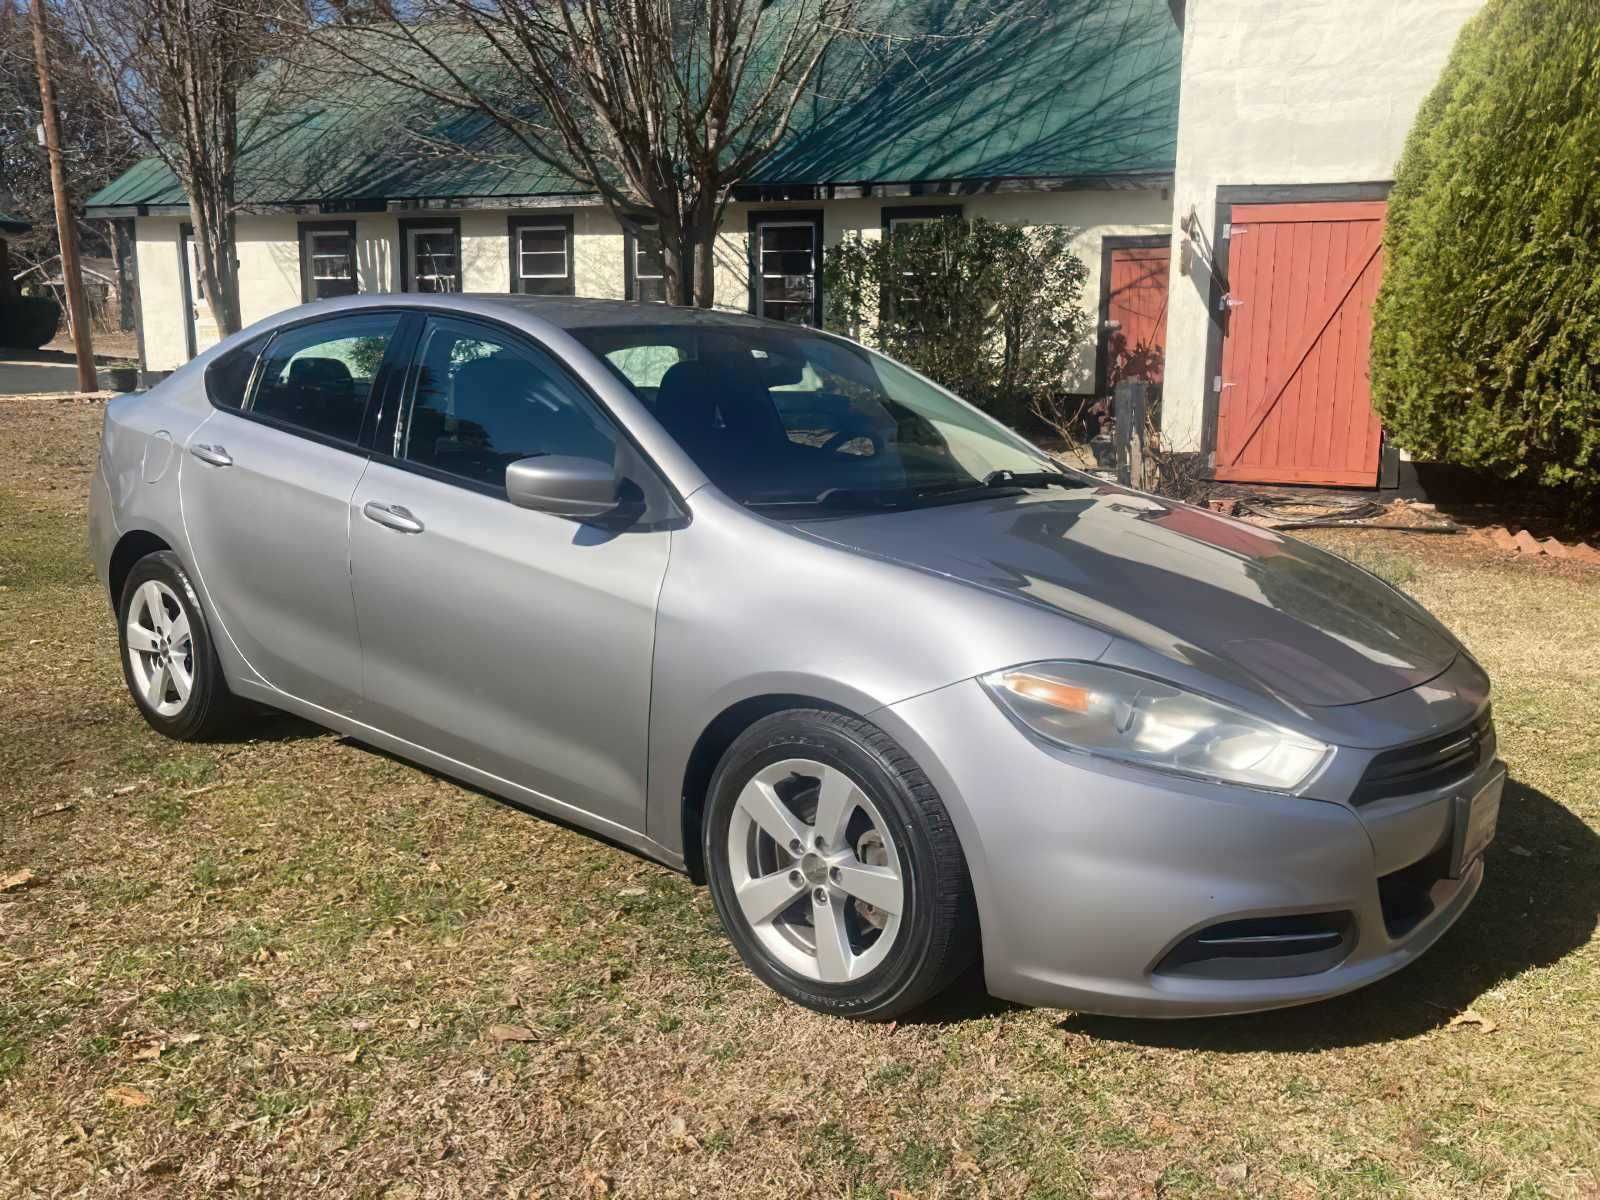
1539 902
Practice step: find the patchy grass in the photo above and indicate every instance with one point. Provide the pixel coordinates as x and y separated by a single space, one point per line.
270 967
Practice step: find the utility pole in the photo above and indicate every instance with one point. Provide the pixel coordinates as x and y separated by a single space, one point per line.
66 229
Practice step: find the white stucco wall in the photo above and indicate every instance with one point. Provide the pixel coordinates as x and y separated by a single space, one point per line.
269 256
1289 92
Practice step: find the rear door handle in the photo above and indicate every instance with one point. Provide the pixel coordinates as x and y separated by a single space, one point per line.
392 516
215 455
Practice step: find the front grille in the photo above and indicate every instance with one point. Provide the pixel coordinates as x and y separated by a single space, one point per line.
1264 947
1424 766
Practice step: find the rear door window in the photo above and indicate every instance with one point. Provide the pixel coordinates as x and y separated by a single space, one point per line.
228 378
318 378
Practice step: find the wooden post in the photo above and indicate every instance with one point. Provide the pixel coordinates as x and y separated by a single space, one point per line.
1131 408
66 230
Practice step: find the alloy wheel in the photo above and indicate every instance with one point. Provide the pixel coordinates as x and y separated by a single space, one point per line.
160 648
815 870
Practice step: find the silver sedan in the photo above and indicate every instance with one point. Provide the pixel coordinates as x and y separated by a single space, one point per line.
766 606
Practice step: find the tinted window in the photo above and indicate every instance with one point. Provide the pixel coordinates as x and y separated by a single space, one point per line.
777 417
481 401
318 377
229 376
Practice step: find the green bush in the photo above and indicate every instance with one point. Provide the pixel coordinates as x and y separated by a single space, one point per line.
1486 336
28 322
993 312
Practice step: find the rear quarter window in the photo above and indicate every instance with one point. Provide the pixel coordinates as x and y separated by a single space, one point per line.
228 378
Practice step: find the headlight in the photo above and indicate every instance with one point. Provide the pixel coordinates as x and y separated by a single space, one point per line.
1120 715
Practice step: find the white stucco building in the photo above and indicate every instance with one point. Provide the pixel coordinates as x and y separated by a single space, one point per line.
1223 164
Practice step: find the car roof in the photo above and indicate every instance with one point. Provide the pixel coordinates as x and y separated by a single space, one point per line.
571 312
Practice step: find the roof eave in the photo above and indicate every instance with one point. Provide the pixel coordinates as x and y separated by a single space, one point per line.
765 191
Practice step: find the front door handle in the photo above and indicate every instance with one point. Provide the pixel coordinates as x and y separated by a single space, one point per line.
215 455
392 516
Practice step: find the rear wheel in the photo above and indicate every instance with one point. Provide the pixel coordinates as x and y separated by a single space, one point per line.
168 658
835 868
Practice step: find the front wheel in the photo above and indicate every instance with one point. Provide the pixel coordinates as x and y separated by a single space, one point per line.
835 868
168 658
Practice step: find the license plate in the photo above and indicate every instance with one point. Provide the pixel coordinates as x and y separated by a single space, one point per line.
1476 818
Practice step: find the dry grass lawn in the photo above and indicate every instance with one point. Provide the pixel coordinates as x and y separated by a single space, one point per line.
277 968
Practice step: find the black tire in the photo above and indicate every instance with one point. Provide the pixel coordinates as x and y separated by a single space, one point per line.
210 710
938 936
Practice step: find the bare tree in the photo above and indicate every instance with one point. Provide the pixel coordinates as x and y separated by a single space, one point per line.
176 71
96 147
659 106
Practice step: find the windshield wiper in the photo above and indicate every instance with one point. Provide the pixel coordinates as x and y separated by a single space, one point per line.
1029 479
876 499
835 497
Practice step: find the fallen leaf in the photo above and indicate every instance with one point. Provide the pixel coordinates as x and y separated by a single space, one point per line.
17 880
127 1095
164 1165
634 891
1522 851
149 1052
351 1056
1462 1019
187 1039
511 1033
59 808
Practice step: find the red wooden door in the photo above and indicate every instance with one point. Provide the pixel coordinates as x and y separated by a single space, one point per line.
1136 314
1295 405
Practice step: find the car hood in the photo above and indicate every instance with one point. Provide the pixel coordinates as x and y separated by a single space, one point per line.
1212 593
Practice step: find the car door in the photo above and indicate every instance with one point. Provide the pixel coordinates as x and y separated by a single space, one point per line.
511 640
266 495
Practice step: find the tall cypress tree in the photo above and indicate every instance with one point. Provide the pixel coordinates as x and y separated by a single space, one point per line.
1486 338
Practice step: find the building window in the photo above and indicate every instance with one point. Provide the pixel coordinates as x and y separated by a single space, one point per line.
903 304
541 255
785 266
430 254
645 273
327 259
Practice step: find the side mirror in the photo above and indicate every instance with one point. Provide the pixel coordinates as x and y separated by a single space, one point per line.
563 485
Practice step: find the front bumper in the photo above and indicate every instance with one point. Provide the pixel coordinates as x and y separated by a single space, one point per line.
1091 877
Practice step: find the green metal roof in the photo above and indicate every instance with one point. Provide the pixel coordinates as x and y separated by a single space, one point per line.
1076 89
10 224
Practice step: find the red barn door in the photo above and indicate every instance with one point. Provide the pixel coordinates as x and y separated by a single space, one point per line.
1135 328
1295 406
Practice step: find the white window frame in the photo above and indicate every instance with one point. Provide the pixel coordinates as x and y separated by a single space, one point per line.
346 252
638 276
561 232
412 234
761 274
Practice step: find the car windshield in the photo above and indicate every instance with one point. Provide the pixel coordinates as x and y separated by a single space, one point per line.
791 419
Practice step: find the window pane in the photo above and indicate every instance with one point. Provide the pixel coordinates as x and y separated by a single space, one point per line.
787 262
227 378
433 260
653 290
794 288
544 240
544 264
647 254
318 377
481 402
333 268
786 237
787 418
